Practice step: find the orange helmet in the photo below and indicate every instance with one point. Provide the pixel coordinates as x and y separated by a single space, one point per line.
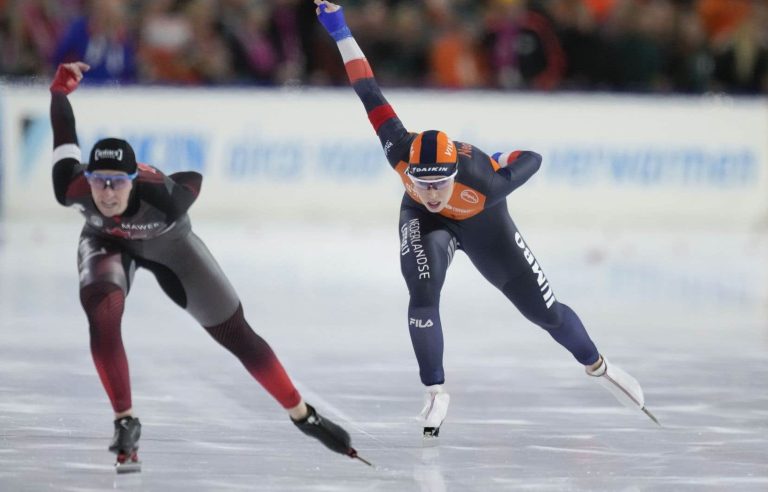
433 154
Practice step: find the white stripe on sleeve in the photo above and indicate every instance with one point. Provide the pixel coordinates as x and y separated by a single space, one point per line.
66 151
504 158
349 49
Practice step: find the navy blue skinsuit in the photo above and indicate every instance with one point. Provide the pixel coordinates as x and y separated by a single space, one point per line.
475 220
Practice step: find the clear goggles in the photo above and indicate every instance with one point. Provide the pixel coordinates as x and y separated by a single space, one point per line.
435 184
114 181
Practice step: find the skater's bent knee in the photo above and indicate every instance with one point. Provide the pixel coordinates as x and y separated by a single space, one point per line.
424 295
550 319
96 292
233 332
102 295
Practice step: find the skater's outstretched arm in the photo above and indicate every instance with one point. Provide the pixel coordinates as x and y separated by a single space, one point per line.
66 151
395 139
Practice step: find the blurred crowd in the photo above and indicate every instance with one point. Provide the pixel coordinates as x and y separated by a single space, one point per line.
687 46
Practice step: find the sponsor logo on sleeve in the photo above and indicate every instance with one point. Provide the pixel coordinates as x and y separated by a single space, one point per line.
388 147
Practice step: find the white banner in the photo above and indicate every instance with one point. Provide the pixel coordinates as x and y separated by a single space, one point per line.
288 154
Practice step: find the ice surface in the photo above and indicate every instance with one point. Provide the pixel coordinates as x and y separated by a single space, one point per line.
685 313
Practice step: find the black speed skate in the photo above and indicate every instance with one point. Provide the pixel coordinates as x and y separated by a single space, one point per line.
125 444
331 435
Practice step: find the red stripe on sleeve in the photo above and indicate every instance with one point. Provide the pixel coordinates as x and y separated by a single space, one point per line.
78 188
358 69
380 115
513 156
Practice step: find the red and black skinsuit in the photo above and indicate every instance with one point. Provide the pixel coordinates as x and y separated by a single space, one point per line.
154 233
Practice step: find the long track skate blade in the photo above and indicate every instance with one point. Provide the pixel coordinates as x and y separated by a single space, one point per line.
128 467
127 463
652 417
364 460
352 453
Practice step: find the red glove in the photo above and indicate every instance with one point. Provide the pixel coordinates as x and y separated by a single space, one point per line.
68 77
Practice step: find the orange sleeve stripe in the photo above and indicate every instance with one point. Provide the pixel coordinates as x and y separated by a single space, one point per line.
358 69
401 167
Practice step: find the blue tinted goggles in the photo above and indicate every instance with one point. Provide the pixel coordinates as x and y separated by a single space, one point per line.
114 181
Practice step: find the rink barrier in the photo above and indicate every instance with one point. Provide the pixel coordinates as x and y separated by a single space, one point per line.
285 154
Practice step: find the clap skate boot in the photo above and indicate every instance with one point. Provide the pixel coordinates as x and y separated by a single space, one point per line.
435 409
331 435
125 444
624 387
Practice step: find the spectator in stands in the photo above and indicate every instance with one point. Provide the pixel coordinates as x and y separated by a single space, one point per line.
721 17
256 58
641 32
692 64
410 47
102 39
208 49
29 31
690 46
741 62
586 53
525 49
164 35
455 58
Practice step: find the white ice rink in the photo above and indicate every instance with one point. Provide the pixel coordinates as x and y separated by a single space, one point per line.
685 313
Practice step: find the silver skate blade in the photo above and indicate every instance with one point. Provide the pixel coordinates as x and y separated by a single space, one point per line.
352 453
649 414
127 463
357 457
128 467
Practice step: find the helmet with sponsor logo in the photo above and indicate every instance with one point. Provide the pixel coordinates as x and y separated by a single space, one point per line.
433 154
112 154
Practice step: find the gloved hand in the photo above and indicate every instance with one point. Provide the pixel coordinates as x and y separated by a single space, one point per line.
331 16
68 77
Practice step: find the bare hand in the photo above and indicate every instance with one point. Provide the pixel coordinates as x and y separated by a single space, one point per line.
68 76
77 69
329 7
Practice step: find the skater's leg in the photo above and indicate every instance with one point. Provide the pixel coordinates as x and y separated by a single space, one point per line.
426 250
425 253
189 275
560 321
501 255
105 274
103 303
258 358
